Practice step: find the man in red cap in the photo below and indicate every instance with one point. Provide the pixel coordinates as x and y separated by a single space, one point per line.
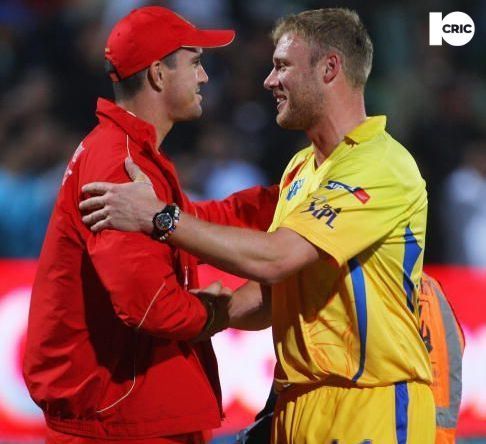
110 351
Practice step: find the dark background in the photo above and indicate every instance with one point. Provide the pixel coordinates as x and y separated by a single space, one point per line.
51 72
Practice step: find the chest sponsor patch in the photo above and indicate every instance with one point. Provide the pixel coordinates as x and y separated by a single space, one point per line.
357 192
294 188
71 164
320 209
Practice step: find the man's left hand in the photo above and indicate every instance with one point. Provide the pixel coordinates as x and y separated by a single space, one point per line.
125 207
219 297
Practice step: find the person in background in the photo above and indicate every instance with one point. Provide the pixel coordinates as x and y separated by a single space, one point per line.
464 209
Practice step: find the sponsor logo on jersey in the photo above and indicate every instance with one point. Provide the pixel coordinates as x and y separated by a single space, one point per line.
320 209
74 159
357 192
294 188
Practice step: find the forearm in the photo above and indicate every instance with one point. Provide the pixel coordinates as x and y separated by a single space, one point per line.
131 264
265 257
248 253
250 307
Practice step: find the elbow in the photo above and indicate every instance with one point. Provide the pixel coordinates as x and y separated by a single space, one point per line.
269 273
175 332
179 322
177 325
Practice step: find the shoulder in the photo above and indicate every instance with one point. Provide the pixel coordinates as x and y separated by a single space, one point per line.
379 170
104 140
399 163
103 152
382 158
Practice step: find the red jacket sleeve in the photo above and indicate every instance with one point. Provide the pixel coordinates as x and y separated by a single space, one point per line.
144 291
251 208
137 271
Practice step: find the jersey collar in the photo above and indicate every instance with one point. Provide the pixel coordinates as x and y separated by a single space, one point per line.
141 132
370 128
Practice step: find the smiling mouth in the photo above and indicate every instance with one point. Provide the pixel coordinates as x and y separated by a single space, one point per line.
281 102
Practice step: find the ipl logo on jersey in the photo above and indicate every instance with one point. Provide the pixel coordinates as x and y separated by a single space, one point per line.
357 192
294 188
320 209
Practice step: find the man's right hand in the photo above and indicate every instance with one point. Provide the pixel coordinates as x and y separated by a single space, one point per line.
126 207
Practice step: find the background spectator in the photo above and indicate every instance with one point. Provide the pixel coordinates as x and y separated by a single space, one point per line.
464 208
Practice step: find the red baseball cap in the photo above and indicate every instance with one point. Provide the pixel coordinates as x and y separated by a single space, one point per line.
151 33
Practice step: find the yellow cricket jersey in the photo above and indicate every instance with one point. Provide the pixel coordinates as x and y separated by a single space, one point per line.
354 316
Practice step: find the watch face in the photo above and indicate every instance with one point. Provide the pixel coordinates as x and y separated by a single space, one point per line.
163 221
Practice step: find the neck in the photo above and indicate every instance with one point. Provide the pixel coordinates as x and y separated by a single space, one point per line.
345 114
144 108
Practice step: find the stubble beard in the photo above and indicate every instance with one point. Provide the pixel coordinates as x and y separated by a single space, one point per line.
302 112
193 112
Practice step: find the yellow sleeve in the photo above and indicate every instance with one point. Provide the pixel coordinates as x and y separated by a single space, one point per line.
344 219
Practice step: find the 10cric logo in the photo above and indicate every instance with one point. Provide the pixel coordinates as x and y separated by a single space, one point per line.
456 28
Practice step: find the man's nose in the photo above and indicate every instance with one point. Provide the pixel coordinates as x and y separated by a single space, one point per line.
271 80
202 75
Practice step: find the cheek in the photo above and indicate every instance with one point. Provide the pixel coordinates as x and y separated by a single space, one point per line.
304 88
187 85
291 83
181 92
283 79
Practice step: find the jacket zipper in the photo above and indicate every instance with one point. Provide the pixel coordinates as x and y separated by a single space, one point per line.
186 277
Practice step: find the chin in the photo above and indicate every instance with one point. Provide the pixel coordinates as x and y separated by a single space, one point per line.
287 123
192 115
197 112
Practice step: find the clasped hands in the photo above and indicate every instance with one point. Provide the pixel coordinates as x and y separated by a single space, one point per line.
219 298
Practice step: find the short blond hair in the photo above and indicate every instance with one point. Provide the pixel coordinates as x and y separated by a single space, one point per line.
338 29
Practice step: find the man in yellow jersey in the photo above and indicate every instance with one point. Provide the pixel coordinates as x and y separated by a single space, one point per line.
343 257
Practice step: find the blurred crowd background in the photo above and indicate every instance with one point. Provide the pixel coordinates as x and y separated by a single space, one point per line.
52 71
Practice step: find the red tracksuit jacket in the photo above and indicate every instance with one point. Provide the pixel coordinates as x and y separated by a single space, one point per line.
108 350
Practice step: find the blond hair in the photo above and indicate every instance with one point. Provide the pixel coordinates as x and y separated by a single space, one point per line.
338 29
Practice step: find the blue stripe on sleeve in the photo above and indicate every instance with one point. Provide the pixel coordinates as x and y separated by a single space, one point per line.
412 253
401 411
359 290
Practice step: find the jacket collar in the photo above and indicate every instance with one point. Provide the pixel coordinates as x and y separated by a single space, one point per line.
141 132
370 128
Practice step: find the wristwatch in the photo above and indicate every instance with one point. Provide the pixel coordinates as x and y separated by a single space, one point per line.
165 222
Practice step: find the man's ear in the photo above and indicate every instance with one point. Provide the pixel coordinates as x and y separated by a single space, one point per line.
156 74
331 66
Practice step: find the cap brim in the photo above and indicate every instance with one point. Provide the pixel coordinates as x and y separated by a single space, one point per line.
209 38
